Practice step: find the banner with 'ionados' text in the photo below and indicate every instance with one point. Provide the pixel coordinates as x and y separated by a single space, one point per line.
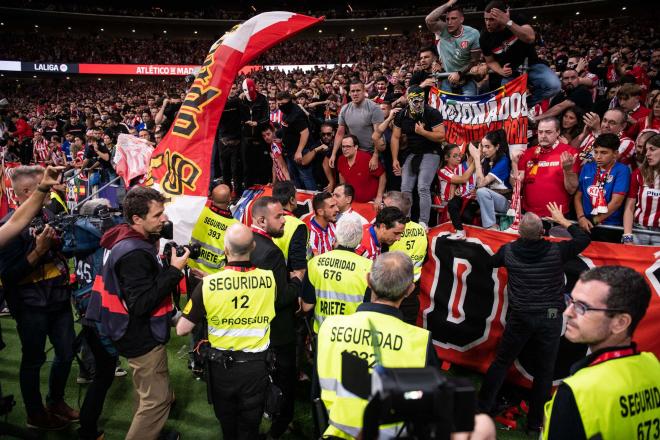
469 118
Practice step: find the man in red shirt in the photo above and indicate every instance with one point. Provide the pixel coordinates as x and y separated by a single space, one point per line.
628 96
387 228
23 129
549 171
353 167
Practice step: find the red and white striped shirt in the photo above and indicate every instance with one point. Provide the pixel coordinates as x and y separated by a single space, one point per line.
321 240
647 212
446 187
275 152
41 153
276 117
369 247
626 150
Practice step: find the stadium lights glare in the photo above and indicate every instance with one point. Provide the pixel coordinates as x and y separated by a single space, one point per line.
68 77
102 29
623 8
69 27
195 32
164 31
534 17
99 79
36 25
2 24
419 26
577 13
352 30
33 76
320 31
385 28
133 30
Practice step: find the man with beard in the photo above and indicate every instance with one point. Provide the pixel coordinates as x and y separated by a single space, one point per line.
572 94
268 223
423 127
255 154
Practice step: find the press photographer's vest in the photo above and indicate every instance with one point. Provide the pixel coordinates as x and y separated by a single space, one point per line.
617 398
413 242
209 233
56 197
401 346
291 223
340 280
113 313
240 305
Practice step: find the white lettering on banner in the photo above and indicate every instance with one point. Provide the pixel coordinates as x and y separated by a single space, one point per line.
49 67
474 113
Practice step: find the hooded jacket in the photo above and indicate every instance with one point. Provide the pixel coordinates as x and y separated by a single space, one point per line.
536 270
132 268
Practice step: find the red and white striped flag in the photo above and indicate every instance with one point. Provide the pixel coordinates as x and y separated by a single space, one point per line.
132 157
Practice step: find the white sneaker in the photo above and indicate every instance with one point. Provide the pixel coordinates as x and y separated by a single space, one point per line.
458 235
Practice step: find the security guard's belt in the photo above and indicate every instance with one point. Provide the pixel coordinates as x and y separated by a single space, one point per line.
228 357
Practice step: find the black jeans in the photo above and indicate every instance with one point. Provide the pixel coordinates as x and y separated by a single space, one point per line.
239 393
34 324
285 377
541 334
257 165
104 374
230 163
410 306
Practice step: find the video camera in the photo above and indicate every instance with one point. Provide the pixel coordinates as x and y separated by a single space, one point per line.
195 250
430 405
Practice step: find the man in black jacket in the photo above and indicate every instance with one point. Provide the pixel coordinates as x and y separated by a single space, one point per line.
255 154
137 305
534 318
267 223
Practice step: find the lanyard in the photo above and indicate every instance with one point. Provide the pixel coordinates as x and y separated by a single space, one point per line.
612 355
260 232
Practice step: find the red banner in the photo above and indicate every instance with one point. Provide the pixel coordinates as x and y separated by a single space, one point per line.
469 118
463 299
181 162
9 199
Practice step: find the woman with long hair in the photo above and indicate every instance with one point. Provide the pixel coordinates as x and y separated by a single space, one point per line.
572 125
652 121
643 204
640 145
454 176
492 167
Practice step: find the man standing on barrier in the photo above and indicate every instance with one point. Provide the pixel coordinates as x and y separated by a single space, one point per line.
238 304
535 286
613 393
378 323
135 296
414 243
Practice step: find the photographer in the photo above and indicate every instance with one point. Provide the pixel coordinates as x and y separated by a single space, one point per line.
137 305
36 279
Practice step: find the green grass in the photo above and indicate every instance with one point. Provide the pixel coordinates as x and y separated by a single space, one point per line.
192 416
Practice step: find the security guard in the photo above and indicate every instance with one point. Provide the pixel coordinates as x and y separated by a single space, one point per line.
614 393
57 205
400 345
336 282
414 243
296 235
209 232
239 305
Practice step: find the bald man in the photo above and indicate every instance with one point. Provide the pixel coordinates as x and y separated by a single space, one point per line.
238 305
209 232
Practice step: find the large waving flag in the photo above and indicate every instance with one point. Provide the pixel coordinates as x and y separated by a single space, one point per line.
180 165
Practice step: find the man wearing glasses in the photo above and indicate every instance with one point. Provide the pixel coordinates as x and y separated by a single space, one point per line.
535 287
613 392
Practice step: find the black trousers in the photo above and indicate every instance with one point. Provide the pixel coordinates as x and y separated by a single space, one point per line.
230 167
539 332
410 306
104 375
257 165
239 392
285 377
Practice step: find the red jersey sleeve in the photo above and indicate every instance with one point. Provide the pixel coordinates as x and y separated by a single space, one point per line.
636 182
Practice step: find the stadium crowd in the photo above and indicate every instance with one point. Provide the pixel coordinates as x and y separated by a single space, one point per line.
358 133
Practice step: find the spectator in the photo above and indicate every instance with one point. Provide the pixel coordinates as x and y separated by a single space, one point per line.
22 129
295 136
454 177
628 96
424 131
549 171
535 285
458 47
603 187
493 168
280 170
572 125
253 108
613 122
228 155
353 168
359 118
642 206
572 94
343 195
428 64
322 223
651 121
508 44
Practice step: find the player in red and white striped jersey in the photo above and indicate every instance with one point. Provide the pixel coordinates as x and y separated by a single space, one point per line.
322 224
386 229
643 204
614 122
275 113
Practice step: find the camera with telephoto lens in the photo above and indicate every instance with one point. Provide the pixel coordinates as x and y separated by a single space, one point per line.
170 246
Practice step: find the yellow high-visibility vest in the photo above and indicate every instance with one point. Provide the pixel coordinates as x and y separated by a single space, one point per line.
414 243
209 233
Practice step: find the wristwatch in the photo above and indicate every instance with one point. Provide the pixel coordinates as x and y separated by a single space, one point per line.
509 23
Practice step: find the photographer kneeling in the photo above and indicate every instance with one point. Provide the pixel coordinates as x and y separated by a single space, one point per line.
136 305
36 279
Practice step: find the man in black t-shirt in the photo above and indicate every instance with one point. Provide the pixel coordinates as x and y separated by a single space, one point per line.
572 94
507 44
295 135
423 128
